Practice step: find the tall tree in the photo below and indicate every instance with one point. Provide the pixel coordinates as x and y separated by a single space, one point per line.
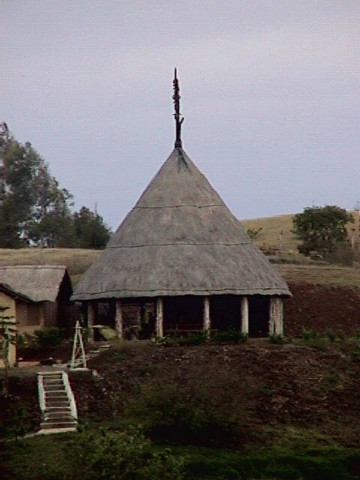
31 198
34 208
321 229
90 229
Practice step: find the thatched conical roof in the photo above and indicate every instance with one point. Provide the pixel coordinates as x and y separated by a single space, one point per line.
179 239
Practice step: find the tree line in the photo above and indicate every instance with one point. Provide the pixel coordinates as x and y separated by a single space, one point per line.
34 209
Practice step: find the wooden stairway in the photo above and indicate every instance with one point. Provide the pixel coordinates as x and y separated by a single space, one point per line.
57 403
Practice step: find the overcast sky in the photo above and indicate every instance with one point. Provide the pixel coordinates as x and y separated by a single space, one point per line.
270 95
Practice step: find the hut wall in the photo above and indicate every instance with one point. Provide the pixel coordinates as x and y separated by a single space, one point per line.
67 313
29 316
50 314
138 318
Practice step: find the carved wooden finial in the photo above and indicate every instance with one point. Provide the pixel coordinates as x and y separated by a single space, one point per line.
177 115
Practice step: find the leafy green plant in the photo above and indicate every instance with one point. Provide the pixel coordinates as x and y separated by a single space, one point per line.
49 337
331 334
276 339
230 335
7 340
121 456
308 333
168 416
193 339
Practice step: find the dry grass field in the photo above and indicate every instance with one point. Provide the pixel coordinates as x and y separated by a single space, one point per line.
270 234
78 260
276 231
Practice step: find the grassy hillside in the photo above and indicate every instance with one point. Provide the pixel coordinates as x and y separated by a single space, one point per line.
76 259
230 412
276 231
270 232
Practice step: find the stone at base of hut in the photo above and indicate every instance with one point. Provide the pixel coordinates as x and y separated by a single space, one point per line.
105 333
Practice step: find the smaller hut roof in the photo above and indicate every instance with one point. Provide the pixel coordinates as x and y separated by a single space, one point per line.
37 282
14 294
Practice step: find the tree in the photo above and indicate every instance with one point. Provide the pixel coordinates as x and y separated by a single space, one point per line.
90 229
29 194
321 229
33 206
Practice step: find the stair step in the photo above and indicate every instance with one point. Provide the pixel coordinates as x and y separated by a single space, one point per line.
57 409
59 418
46 425
56 393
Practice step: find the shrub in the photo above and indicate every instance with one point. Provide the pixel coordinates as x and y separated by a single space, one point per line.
331 334
230 335
121 456
49 337
180 340
169 416
193 339
276 338
308 334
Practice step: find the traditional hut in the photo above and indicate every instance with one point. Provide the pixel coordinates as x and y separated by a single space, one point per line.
181 261
47 289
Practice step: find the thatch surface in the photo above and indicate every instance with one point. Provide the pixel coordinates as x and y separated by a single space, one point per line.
179 239
37 282
4 287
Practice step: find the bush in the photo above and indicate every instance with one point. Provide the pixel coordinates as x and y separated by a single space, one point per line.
49 337
331 334
174 339
193 339
276 338
121 456
168 416
308 334
230 335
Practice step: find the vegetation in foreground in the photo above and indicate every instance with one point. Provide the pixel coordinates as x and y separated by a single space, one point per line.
262 409
129 455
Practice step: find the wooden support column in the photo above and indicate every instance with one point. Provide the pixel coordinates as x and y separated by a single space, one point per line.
206 315
118 318
159 317
42 322
276 316
91 318
245 315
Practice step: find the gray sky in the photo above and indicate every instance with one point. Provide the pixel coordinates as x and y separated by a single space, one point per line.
270 95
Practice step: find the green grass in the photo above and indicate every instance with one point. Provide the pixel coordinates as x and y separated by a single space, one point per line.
47 458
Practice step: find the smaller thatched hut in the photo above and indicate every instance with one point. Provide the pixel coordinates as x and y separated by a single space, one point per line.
47 290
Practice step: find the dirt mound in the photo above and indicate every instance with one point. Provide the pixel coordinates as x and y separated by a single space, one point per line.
259 386
322 307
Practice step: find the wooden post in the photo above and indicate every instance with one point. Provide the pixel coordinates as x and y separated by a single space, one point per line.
159 317
276 316
118 318
42 321
245 315
91 318
206 315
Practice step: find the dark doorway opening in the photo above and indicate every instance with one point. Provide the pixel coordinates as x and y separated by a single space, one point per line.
259 315
183 314
225 312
